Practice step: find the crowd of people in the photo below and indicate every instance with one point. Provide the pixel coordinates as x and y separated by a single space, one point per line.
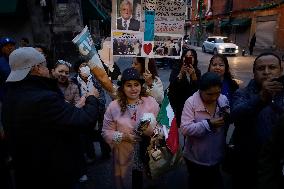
49 120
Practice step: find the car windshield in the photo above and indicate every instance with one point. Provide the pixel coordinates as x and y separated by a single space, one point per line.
222 40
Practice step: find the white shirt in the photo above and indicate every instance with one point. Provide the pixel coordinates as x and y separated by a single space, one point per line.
86 87
127 22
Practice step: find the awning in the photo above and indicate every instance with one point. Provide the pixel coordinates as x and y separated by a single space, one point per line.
8 7
242 22
209 25
224 23
92 10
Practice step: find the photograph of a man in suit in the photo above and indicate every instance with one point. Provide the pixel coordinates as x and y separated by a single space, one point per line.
126 21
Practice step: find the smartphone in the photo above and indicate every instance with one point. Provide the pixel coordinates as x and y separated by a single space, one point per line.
279 79
188 60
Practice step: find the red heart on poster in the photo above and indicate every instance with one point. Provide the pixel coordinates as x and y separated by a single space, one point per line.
147 48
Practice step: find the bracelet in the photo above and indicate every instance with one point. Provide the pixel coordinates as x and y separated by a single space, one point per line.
117 137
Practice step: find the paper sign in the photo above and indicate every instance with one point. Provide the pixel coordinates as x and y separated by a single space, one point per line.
170 16
165 17
150 5
87 48
147 50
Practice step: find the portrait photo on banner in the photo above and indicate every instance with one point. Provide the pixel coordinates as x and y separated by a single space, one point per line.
128 43
128 15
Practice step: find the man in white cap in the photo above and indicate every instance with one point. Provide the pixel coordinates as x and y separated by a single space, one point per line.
43 129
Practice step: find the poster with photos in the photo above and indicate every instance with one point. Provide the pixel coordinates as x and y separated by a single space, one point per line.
150 28
167 45
127 43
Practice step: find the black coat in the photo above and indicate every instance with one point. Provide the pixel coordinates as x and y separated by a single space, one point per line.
179 91
43 133
271 160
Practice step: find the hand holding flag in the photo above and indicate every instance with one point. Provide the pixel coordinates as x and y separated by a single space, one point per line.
166 118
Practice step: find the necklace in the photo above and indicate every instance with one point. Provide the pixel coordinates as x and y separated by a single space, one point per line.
132 109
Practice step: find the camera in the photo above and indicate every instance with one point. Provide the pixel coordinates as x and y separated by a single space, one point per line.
223 112
279 79
188 60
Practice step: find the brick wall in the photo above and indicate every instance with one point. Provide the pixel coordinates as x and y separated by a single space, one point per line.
240 4
219 7
194 8
280 33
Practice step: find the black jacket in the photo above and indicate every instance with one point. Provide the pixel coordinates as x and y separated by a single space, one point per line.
179 91
43 133
271 160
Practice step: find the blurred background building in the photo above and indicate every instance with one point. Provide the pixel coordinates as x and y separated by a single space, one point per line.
237 20
54 23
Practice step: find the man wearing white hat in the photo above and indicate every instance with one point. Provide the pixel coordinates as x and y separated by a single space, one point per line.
43 129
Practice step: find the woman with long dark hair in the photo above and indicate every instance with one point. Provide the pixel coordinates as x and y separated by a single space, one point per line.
183 81
220 65
69 89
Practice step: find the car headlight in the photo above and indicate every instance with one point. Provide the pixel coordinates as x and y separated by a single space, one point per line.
237 47
221 47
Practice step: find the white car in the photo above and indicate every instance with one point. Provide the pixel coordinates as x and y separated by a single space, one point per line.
219 45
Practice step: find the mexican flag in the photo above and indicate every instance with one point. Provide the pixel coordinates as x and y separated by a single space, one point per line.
166 118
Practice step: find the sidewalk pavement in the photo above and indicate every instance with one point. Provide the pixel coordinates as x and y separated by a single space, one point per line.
100 176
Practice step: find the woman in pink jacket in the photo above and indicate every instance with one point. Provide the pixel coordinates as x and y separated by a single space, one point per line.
204 119
120 121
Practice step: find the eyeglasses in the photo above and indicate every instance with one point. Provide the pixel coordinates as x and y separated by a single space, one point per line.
64 63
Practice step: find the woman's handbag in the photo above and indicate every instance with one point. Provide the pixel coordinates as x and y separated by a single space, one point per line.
161 160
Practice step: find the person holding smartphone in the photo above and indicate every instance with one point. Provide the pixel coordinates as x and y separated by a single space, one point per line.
121 120
183 81
204 126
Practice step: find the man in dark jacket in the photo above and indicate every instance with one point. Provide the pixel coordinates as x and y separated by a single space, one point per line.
247 103
271 161
43 129
7 45
126 22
